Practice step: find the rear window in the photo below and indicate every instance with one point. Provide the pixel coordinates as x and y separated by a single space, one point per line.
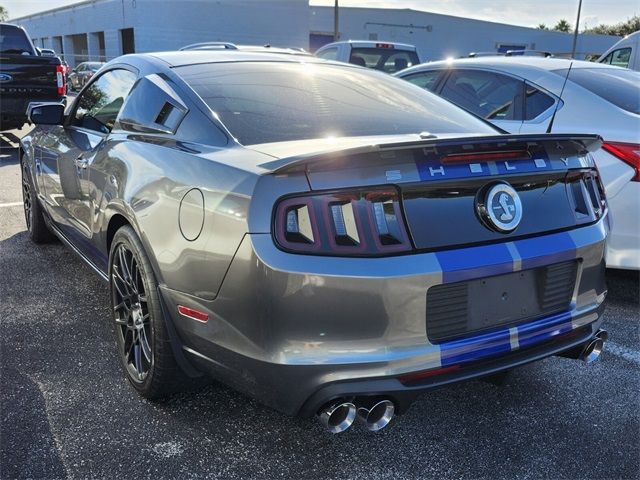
13 40
264 102
616 85
387 60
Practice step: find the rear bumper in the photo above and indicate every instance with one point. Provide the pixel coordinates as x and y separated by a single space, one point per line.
296 331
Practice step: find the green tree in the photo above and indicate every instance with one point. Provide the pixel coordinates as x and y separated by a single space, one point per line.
562 26
542 26
4 14
621 29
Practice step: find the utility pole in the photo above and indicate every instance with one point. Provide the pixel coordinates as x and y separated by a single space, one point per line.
575 32
336 22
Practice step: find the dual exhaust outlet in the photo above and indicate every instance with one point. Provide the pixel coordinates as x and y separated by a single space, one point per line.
593 348
339 416
376 414
590 350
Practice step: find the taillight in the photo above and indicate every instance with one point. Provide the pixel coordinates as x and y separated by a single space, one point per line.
629 153
60 80
346 223
587 195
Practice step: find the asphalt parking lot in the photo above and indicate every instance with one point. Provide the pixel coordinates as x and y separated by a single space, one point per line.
67 411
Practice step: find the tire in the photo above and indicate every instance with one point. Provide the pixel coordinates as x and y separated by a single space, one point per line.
144 347
33 214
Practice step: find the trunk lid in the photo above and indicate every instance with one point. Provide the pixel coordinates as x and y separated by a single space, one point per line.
443 182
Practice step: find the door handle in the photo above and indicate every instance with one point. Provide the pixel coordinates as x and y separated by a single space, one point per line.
81 162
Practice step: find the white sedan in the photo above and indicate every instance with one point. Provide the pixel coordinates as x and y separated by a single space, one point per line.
521 94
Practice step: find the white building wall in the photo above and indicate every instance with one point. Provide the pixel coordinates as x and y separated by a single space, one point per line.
171 24
441 36
168 25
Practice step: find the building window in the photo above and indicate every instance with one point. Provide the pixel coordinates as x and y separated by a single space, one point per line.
128 41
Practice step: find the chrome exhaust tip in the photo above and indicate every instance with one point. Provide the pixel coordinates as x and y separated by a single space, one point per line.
592 351
378 416
338 417
602 334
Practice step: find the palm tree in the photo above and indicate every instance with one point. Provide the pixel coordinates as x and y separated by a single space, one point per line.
4 14
542 26
562 26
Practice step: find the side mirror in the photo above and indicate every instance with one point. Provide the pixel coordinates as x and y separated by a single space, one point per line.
46 113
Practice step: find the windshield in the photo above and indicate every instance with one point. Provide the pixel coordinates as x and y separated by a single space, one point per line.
264 102
616 85
13 40
387 60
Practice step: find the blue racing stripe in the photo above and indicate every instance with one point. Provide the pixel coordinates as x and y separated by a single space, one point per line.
475 262
545 250
497 342
475 348
545 329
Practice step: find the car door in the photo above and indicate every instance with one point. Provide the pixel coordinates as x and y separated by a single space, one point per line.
72 149
491 95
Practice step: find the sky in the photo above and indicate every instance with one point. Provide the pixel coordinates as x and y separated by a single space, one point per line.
517 12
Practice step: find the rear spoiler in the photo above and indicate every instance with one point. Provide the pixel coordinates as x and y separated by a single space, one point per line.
570 144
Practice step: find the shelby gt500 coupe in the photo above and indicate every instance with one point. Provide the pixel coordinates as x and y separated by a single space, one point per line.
326 238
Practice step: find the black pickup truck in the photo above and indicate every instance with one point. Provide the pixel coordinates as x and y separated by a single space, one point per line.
25 76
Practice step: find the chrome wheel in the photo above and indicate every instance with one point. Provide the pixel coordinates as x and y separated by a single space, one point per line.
131 313
26 195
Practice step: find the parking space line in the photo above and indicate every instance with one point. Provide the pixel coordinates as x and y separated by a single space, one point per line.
11 204
623 352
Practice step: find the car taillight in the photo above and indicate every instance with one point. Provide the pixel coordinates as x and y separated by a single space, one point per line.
347 223
629 153
60 80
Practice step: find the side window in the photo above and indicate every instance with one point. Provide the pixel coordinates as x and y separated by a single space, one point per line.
99 105
620 58
426 80
536 102
329 54
490 95
607 59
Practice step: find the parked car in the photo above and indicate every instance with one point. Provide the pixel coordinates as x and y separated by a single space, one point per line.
228 46
299 244
47 52
25 77
385 56
625 53
79 76
521 95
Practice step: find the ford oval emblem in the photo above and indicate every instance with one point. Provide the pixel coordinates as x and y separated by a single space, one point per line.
5 77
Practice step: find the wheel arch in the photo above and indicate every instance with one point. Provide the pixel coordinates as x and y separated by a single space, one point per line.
117 216
116 219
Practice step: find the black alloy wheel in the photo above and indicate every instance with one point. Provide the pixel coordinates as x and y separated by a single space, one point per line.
33 214
26 195
144 347
131 312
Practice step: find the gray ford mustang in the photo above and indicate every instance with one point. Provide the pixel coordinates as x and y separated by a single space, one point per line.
328 239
